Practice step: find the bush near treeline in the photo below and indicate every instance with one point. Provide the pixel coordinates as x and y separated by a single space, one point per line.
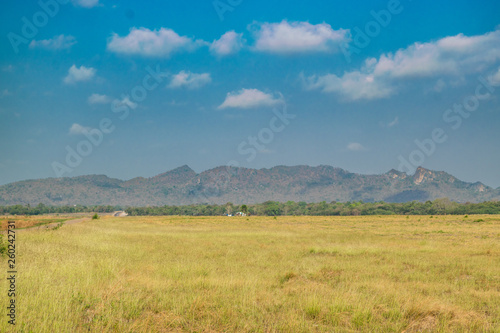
273 208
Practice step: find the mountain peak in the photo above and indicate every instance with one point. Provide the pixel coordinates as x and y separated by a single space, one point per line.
421 175
395 174
183 168
479 187
176 176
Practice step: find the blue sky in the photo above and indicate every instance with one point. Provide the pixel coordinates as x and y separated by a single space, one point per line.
366 86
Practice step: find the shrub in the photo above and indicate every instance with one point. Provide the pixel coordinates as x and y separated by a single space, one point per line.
95 217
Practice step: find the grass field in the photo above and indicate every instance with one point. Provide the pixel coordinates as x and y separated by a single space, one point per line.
260 274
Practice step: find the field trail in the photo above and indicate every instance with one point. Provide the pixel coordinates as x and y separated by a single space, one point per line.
55 224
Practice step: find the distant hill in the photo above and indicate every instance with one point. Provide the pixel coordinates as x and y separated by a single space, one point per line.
183 186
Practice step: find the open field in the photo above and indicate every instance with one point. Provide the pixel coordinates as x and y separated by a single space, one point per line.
260 274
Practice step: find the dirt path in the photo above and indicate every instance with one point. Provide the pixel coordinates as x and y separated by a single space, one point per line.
55 224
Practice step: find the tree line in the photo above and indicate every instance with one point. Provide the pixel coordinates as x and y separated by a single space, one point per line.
273 208
44 209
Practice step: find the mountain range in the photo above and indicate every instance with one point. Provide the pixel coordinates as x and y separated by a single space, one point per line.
183 186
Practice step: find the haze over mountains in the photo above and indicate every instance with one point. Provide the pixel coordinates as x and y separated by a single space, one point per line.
183 186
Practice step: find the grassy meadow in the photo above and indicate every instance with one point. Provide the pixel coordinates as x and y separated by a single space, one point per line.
260 274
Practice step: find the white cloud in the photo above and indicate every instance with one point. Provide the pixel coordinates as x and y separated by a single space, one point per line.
292 37
354 146
98 99
153 43
86 3
57 43
189 80
454 56
229 43
77 129
351 86
76 74
249 98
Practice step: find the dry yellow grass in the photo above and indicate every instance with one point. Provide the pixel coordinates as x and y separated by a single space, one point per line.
261 274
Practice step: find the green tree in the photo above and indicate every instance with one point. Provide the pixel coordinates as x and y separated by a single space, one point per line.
272 208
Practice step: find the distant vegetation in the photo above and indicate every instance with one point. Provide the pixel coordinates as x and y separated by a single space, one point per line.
43 209
290 208
273 208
